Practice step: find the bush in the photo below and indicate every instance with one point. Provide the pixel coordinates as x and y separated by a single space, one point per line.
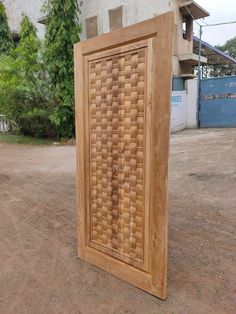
25 97
63 29
36 123
37 83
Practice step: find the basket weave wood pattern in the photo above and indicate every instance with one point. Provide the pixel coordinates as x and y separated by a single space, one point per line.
117 133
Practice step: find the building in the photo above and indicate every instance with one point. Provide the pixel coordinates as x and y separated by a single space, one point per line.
215 58
101 16
16 8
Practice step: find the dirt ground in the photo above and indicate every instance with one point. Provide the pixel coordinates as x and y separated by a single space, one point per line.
39 268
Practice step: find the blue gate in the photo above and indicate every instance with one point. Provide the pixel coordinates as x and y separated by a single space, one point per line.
218 102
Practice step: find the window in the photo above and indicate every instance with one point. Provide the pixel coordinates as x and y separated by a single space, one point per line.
91 27
115 18
188 28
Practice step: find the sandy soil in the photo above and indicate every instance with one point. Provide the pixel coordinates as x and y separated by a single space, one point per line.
39 268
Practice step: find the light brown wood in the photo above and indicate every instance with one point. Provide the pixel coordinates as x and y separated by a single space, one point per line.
122 91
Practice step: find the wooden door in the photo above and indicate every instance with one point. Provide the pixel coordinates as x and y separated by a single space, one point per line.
122 84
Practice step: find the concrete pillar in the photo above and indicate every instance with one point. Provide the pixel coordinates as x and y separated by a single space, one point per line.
191 103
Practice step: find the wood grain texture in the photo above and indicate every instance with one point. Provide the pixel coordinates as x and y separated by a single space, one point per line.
122 84
116 128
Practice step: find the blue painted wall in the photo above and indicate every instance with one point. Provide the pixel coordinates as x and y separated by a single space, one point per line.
218 102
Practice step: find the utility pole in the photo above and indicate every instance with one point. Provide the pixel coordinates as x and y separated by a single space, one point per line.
199 75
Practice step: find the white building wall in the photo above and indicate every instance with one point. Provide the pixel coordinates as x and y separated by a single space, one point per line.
192 103
184 114
134 11
184 107
178 111
32 8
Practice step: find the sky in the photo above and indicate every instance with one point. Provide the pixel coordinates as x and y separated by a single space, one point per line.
220 11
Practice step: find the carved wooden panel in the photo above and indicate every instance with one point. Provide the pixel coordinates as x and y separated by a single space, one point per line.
117 127
122 83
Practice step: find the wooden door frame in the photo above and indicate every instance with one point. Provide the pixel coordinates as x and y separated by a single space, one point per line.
160 30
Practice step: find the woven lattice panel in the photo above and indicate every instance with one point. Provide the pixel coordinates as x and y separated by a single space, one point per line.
117 133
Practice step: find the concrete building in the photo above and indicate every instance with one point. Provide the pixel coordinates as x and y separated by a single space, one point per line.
16 8
102 16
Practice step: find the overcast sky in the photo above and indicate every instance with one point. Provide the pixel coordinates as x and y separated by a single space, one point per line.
220 11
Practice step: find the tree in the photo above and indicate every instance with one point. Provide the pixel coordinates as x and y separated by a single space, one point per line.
63 29
6 41
223 70
24 93
229 47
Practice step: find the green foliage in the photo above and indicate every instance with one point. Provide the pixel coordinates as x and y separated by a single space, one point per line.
22 139
37 82
6 42
25 96
62 33
229 47
229 69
